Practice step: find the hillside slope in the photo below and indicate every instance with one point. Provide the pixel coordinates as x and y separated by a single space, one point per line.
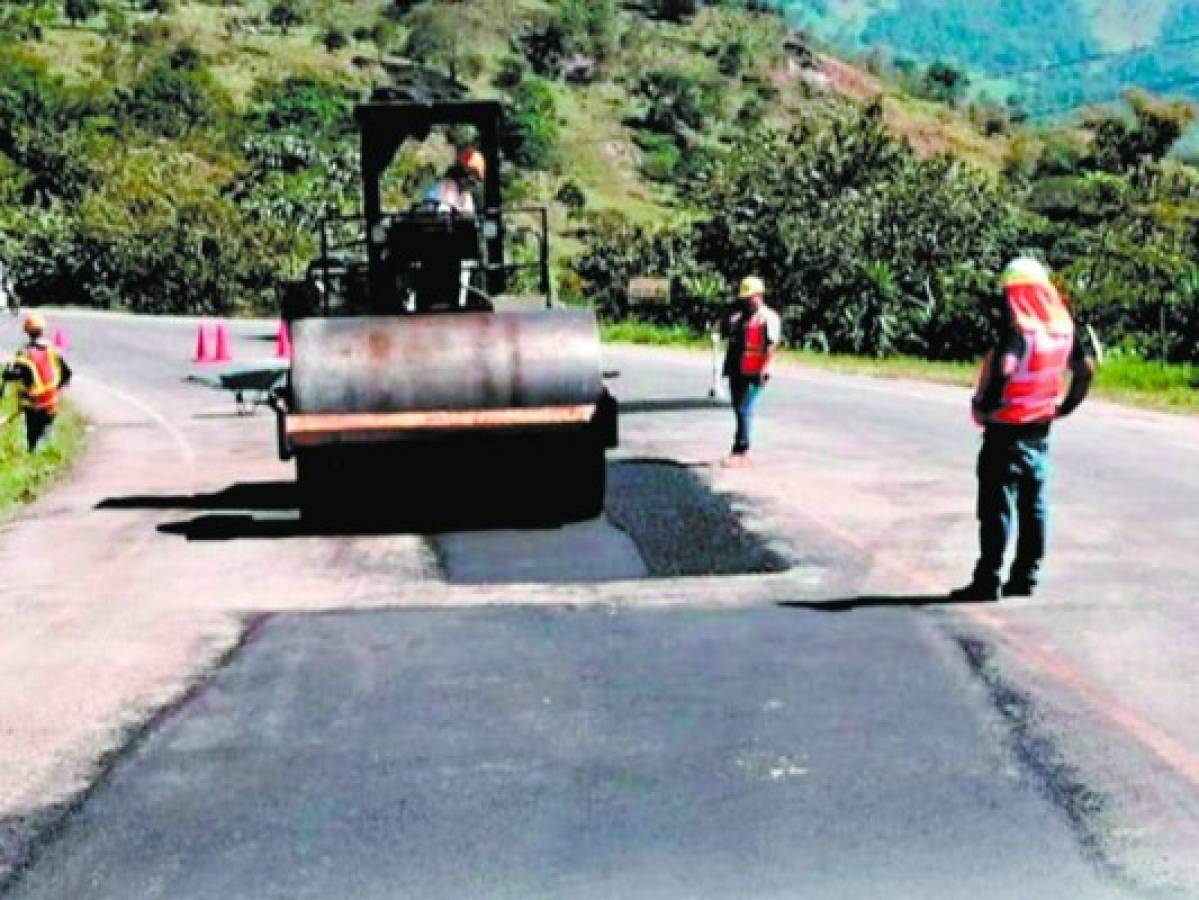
1007 43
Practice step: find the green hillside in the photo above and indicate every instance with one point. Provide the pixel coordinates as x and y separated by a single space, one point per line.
174 156
1024 48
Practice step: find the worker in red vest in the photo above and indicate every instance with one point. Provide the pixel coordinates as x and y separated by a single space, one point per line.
1022 389
40 373
753 330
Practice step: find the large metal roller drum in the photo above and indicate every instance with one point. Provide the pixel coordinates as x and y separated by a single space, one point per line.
461 361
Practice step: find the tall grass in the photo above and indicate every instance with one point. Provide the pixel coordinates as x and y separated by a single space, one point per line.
23 476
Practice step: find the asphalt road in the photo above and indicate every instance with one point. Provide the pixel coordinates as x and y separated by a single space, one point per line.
754 689
588 753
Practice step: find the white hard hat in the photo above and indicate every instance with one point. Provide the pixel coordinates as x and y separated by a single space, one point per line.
1025 269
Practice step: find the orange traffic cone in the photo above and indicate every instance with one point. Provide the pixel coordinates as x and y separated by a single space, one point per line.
203 353
221 354
283 342
60 339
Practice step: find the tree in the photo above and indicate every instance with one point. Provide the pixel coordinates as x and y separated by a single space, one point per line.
531 125
944 83
434 39
674 10
285 15
1154 128
334 39
80 10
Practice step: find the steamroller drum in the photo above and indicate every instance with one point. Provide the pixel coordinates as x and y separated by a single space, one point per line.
449 361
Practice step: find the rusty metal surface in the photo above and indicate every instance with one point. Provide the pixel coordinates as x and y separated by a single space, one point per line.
448 362
322 429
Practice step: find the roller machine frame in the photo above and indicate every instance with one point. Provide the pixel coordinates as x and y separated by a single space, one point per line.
406 343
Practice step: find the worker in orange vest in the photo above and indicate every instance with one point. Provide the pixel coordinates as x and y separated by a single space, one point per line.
1021 391
40 373
753 330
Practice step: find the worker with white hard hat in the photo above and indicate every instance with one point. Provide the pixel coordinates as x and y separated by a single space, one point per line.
754 331
1022 390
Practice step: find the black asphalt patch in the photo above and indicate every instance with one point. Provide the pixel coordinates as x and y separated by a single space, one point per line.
591 753
681 526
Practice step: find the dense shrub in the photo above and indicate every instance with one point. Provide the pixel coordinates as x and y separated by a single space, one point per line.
531 125
868 248
174 96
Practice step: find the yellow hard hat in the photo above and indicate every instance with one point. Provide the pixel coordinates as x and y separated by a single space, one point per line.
752 286
34 324
474 162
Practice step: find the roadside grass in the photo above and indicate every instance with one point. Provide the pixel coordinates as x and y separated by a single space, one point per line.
1128 380
23 477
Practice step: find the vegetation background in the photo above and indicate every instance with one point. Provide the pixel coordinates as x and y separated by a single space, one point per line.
176 156
1044 54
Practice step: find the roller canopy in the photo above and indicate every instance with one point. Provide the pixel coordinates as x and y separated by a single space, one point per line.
446 362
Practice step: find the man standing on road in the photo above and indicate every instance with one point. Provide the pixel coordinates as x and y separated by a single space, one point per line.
754 331
1018 397
40 373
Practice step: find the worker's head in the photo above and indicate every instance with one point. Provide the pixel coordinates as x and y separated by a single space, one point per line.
471 165
752 290
34 325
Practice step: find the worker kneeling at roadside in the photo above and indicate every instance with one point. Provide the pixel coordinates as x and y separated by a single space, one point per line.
1018 397
753 330
40 373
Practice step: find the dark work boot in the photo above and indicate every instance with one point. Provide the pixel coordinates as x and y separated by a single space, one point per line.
1018 587
975 592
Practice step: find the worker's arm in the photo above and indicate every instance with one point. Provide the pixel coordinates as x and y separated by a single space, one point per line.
66 372
1004 360
13 372
774 337
1082 374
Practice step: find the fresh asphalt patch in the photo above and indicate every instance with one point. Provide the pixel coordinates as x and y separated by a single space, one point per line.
682 527
593 752
661 521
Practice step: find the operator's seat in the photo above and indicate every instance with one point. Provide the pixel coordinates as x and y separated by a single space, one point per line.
433 256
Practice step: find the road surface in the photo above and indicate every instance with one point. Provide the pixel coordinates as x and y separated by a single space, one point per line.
737 683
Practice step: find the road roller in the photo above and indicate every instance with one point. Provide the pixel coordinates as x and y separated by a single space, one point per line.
430 361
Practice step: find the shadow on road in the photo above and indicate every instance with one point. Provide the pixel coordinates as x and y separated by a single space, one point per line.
264 495
875 602
679 404
271 510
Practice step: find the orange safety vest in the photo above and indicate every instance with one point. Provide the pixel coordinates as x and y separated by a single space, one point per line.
42 391
1032 392
754 350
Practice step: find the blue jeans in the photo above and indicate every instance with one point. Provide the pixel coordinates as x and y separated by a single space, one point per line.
745 391
1012 476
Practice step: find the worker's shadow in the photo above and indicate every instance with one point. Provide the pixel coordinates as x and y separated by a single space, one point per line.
262 510
880 601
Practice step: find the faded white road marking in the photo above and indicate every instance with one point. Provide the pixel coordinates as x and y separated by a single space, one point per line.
186 451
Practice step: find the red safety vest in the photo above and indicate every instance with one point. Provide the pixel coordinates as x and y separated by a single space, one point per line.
754 349
1032 392
42 391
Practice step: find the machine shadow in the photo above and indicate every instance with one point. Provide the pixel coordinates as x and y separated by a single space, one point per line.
270 510
899 601
272 496
671 404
